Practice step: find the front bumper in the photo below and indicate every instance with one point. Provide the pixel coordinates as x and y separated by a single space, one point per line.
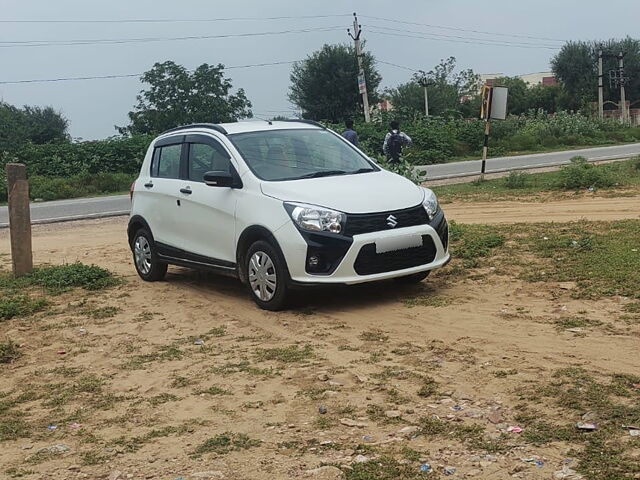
434 255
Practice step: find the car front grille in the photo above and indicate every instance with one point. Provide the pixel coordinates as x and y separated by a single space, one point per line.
369 262
376 222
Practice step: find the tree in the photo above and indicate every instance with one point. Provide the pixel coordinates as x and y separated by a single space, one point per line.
325 84
177 97
30 124
448 92
576 67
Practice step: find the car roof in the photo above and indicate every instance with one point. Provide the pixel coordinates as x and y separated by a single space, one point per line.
245 126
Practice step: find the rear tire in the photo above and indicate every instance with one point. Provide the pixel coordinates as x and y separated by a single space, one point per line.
414 278
267 276
145 257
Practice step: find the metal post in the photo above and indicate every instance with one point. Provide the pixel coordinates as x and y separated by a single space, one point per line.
485 147
357 30
600 87
19 219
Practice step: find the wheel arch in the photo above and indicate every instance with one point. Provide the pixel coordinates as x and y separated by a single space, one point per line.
136 222
249 236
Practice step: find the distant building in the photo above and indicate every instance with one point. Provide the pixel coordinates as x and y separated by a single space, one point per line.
385 105
531 79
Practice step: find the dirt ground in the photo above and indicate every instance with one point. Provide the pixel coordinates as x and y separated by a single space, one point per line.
362 355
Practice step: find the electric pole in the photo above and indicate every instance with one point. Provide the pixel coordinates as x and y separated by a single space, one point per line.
425 83
623 99
362 82
600 87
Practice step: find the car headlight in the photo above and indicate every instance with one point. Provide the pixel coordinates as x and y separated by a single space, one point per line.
316 219
430 203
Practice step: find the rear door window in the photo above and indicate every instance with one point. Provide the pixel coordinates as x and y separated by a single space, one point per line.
166 161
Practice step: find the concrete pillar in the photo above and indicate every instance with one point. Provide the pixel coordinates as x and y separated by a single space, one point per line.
19 218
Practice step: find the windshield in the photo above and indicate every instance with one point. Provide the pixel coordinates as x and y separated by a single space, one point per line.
295 154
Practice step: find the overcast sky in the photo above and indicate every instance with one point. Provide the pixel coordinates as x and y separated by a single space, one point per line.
95 106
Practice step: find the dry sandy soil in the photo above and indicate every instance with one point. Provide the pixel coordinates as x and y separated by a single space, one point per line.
142 397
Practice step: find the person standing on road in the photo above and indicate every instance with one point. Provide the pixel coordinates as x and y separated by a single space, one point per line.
394 141
350 134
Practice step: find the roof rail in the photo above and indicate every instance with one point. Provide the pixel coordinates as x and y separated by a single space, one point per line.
212 126
310 122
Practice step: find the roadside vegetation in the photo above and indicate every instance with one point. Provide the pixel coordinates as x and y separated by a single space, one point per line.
617 178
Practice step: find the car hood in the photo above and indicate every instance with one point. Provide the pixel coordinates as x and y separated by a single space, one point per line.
359 193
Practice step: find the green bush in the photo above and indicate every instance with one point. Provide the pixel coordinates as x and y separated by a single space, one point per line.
9 351
516 180
582 174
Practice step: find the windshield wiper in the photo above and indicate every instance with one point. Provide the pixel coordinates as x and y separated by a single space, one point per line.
363 170
324 173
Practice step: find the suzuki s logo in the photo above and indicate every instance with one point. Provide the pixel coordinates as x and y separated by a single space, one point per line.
392 221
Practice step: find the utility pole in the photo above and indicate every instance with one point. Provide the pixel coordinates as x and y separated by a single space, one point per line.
19 219
424 83
600 87
362 82
623 99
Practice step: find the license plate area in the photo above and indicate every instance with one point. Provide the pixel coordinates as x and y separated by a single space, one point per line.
391 244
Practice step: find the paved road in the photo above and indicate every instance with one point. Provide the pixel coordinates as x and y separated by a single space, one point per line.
501 164
63 210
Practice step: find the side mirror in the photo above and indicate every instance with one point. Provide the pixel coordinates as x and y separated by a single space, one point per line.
218 178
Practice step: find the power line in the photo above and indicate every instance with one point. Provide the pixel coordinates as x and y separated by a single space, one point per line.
443 27
129 75
514 43
113 41
398 66
377 32
182 20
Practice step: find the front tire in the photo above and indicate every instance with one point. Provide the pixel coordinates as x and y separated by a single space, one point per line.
414 278
145 257
267 276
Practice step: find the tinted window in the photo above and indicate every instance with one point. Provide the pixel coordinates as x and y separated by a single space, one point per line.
293 154
166 162
204 158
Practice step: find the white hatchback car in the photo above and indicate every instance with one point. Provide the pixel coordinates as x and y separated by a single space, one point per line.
279 205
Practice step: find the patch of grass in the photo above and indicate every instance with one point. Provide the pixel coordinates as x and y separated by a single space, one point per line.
384 468
226 442
599 257
9 351
471 242
60 278
374 336
93 457
162 398
633 307
20 305
180 382
563 323
213 390
516 180
582 174
429 387
13 426
429 299
164 353
290 354
18 472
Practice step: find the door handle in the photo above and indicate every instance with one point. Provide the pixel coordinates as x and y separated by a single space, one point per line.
186 191
148 185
